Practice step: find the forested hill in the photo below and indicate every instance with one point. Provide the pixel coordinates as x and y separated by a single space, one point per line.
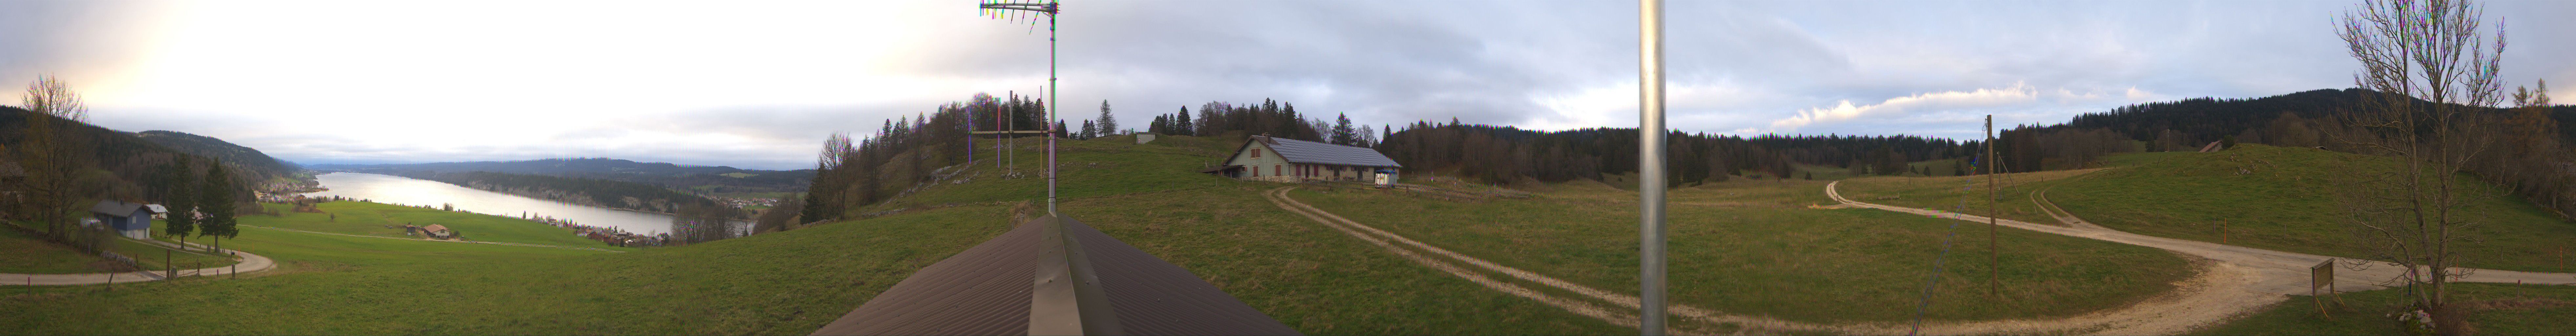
2526 146
130 161
583 191
248 159
703 179
2202 120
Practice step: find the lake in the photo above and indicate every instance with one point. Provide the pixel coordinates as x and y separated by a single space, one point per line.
409 191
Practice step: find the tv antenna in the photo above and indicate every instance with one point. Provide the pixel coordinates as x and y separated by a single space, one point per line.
1028 11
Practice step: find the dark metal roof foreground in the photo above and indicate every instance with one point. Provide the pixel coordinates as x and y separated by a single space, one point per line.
1302 151
981 291
988 290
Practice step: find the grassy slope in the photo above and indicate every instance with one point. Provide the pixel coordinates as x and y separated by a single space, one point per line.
372 219
2285 202
1316 280
2503 310
24 253
1947 193
786 283
1753 247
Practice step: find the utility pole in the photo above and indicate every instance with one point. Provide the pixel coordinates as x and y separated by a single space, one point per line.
1994 269
1650 167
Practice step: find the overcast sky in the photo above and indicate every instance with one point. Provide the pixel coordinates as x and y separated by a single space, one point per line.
759 84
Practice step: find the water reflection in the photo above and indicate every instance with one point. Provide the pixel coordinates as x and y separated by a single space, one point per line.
409 191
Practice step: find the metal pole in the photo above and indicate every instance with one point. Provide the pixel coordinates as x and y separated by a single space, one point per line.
1650 167
1051 104
1014 147
1994 269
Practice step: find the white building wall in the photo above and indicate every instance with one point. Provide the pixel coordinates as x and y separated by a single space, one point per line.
1263 164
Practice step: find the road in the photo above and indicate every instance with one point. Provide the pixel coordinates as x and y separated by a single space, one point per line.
249 263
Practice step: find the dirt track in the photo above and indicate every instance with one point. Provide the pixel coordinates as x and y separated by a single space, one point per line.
249 263
2238 280
2233 280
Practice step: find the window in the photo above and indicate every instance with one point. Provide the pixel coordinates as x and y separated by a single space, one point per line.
1256 153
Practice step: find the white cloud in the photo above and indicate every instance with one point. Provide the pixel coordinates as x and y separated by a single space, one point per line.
2018 93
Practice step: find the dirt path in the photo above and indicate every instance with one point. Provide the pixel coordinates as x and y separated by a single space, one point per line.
2233 280
2240 280
249 263
1690 319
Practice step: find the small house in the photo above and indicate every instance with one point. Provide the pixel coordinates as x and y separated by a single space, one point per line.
1290 160
158 211
128 219
435 231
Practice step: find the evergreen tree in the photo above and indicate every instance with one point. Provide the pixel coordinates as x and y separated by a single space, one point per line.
1108 123
1342 132
1088 131
216 200
1181 123
180 198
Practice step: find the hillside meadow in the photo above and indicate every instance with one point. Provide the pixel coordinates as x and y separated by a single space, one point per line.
2283 198
1757 248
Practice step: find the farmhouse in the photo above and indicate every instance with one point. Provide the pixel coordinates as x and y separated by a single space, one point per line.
437 231
1290 160
129 219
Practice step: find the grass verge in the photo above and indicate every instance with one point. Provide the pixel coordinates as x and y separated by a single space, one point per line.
2494 309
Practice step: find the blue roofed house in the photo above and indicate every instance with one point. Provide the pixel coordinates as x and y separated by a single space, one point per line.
128 219
1290 160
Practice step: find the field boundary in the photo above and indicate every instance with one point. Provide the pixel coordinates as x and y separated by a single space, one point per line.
253 262
451 241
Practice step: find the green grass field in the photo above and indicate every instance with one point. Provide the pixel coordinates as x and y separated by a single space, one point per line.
2494 309
1961 193
792 282
1753 247
21 252
24 253
2282 199
386 220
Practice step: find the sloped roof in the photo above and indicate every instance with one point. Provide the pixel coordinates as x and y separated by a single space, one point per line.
157 208
115 208
1302 151
988 289
433 228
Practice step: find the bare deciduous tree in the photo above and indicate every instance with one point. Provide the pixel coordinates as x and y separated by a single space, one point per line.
49 95
2435 71
55 163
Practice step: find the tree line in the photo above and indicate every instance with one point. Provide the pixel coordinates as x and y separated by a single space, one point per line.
2528 136
852 172
1505 154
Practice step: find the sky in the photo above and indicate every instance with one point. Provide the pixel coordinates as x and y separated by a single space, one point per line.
760 84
